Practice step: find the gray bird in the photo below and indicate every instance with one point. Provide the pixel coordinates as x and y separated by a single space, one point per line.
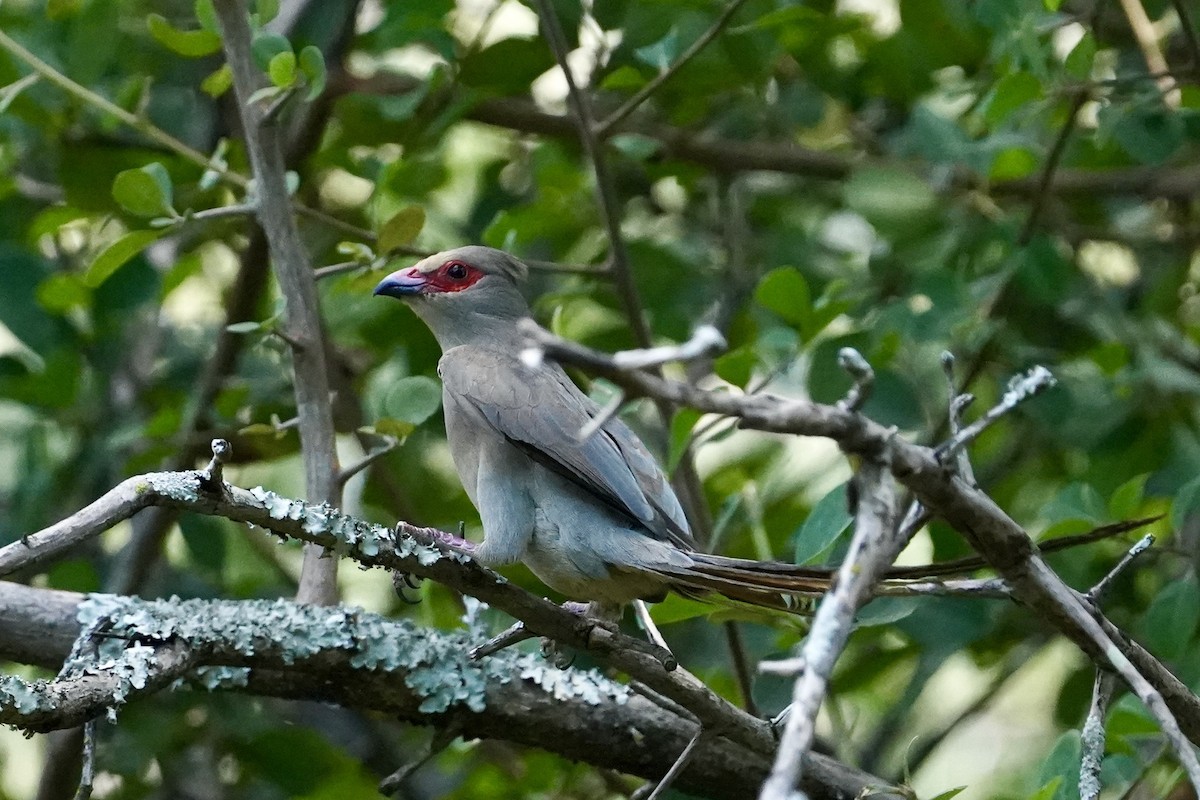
593 518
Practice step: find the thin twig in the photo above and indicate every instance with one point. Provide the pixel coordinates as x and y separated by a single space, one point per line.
390 444
1047 175
1147 41
318 577
605 127
852 362
87 772
514 634
161 137
876 542
1093 736
673 773
1020 388
1097 592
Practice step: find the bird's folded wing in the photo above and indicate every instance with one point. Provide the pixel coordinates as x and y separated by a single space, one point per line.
539 410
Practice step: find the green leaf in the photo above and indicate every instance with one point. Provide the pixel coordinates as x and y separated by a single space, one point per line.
682 424
218 82
401 229
785 291
266 46
312 64
1079 61
205 540
1126 501
282 69
1170 622
206 15
145 191
266 10
1012 93
949 794
262 429
736 366
413 399
395 428
249 326
891 199
116 254
623 79
1186 501
828 520
677 609
61 292
1012 163
193 44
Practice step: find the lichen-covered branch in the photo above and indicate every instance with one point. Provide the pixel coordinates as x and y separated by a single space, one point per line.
277 648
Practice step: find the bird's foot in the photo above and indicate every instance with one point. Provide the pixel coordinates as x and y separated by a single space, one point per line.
405 580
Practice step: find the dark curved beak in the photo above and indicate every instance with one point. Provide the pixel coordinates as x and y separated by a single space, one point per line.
402 283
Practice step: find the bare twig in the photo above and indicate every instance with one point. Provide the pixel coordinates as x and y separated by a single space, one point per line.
1097 592
629 106
158 135
1093 736
370 458
876 542
647 622
441 739
673 773
87 773
1020 388
998 538
853 363
318 578
956 404
514 634
1147 41
1048 169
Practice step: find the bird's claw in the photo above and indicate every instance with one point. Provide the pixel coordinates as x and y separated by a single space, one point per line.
402 581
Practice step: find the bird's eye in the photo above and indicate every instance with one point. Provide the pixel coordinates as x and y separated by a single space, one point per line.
456 271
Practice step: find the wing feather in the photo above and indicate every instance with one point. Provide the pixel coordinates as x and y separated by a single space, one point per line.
541 411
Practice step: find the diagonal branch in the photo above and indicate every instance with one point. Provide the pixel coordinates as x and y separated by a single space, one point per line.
997 537
629 106
876 542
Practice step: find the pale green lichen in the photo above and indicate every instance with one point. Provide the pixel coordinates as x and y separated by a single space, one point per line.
435 664
348 532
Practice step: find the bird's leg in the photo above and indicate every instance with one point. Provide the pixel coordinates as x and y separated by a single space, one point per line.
647 622
433 536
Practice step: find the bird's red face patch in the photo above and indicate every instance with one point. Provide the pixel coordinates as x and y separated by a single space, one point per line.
453 276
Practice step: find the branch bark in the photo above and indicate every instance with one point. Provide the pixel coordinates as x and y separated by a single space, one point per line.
303 327
633 734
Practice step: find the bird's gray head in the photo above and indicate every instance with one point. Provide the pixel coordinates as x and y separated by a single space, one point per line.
469 294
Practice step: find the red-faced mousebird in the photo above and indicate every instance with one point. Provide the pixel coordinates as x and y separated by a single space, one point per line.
594 518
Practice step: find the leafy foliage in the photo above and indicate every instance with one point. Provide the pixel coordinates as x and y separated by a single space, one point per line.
998 179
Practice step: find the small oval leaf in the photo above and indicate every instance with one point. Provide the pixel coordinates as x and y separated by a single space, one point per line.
193 44
401 229
312 64
145 191
282 69
827 521
413 399
116 254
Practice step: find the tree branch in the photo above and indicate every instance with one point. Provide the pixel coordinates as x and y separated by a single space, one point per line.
318 578
421 676
993 534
